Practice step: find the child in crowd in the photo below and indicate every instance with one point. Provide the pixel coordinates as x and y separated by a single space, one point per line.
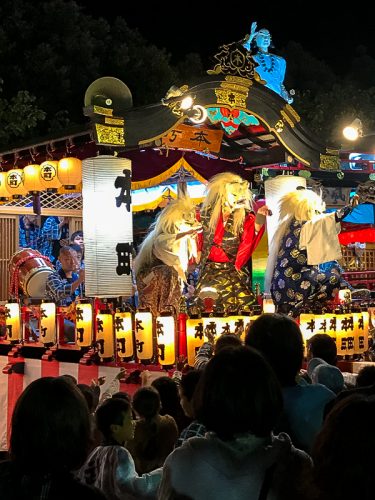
186 389
110 467
155 434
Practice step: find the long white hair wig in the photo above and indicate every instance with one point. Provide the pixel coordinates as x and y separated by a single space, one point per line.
302 205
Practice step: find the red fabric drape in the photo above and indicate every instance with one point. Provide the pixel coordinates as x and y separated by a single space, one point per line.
150 163
366 235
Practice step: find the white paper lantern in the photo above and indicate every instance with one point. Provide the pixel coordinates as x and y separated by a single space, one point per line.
105 226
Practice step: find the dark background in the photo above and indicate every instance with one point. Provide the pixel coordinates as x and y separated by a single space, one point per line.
183 27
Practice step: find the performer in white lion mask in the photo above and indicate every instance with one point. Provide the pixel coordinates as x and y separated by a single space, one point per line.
303 267
163 258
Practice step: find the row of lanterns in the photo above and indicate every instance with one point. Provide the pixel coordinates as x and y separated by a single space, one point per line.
49 176
121 334
142 337
127 335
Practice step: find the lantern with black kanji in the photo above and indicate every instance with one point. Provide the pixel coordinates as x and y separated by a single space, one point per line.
48 176
144 336
107 226
84 324
124 334
165 336
13 322
194 338
15 183
104 335
48 332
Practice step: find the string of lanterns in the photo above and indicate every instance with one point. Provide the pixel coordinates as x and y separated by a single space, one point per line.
139 335
124 334
49 176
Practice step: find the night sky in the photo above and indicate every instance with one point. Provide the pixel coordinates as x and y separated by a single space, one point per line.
202 29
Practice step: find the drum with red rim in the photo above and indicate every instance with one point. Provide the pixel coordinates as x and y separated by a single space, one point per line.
30 269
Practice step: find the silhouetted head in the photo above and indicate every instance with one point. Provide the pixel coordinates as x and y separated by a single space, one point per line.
238 393
50 429
279 338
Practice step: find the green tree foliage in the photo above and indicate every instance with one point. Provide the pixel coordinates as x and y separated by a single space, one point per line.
190 69
18 117
306 72
328 101
141 65
54 51
327 112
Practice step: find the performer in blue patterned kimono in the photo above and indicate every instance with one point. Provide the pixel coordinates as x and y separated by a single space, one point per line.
302 267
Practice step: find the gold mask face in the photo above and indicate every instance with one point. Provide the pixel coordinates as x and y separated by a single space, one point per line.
238 195
188 222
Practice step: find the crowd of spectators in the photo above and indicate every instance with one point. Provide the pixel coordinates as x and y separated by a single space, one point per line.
245 423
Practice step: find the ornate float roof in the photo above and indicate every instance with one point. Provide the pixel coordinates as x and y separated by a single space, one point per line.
258 126
248 128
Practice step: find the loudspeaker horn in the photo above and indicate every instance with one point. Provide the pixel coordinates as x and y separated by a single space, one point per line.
109 92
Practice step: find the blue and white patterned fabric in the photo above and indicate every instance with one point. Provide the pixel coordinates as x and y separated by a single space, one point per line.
59 288
49 232
29 237
294 282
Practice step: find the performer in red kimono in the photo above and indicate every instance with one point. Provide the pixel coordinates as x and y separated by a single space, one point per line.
231 232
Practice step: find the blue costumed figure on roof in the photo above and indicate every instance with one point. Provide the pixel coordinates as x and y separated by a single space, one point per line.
271 68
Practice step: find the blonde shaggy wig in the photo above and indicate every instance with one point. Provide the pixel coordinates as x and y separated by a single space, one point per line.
301 204
167 222
216 197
